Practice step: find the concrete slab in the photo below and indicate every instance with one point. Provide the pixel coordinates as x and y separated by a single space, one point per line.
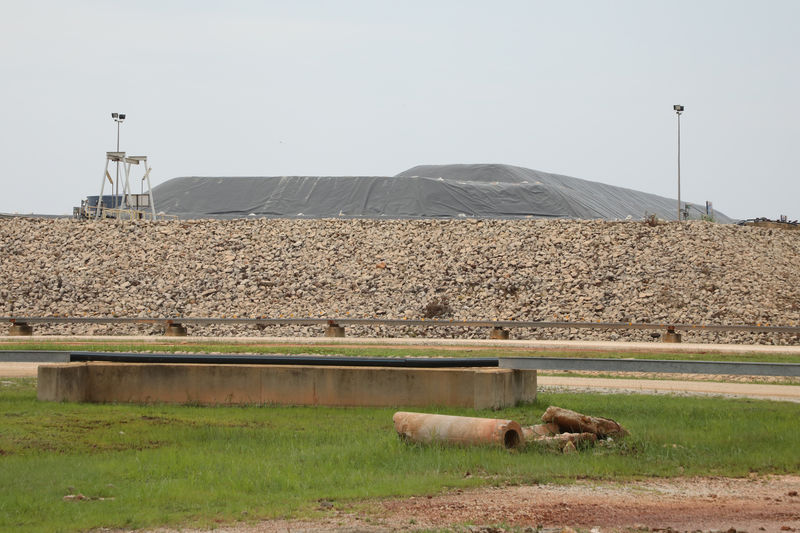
210 384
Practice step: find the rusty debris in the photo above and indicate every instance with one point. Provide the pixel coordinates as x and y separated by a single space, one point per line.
570 421
563 430
556 438
570 431
540 430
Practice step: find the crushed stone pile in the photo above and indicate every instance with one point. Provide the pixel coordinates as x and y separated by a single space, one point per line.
626 271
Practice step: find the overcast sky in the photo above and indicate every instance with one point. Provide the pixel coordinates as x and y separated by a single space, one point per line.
374 87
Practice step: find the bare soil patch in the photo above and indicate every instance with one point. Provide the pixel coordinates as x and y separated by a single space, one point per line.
683 505
752 504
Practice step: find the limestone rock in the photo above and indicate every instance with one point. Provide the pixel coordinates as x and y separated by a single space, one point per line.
628 271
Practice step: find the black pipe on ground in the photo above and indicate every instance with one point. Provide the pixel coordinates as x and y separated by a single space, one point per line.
302 360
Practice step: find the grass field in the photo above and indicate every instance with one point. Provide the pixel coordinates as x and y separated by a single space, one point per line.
146 465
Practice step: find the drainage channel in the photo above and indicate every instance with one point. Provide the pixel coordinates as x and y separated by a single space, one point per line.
300 360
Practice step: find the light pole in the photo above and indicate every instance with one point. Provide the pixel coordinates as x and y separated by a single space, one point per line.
678 110
118 118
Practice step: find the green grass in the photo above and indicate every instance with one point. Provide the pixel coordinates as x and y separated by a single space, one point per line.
268 347
170 465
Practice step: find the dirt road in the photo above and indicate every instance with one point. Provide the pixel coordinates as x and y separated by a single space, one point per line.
18 370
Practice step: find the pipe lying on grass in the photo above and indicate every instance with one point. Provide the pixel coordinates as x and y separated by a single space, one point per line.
462 430
564 430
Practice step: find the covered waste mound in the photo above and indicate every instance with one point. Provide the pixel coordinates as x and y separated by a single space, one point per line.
427 191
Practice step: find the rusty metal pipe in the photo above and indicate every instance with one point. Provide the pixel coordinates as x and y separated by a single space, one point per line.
461 430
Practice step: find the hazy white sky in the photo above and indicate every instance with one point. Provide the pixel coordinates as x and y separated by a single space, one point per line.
262 88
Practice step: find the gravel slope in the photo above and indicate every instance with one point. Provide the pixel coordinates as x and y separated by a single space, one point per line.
494 269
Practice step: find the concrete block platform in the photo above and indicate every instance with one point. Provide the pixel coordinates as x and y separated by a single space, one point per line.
221 384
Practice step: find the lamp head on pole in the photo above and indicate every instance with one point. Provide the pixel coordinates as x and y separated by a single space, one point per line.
118 117
678 109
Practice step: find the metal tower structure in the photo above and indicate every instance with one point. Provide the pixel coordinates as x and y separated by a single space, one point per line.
134 206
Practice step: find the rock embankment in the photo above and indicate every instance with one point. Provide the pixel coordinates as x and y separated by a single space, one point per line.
695 272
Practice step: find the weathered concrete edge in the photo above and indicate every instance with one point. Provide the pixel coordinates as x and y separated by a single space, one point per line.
209 384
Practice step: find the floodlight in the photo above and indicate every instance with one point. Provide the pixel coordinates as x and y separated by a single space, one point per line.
678 110
118 118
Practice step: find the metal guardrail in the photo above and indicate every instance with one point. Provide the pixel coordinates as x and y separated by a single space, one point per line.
176 325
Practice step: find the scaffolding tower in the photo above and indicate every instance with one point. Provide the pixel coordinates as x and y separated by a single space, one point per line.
133 206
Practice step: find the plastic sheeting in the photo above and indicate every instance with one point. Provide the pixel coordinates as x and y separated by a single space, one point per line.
429 191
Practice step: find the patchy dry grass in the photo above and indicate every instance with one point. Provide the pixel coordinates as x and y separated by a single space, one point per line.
147 465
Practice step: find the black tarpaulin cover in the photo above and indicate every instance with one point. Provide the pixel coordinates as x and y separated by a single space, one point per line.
437 191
